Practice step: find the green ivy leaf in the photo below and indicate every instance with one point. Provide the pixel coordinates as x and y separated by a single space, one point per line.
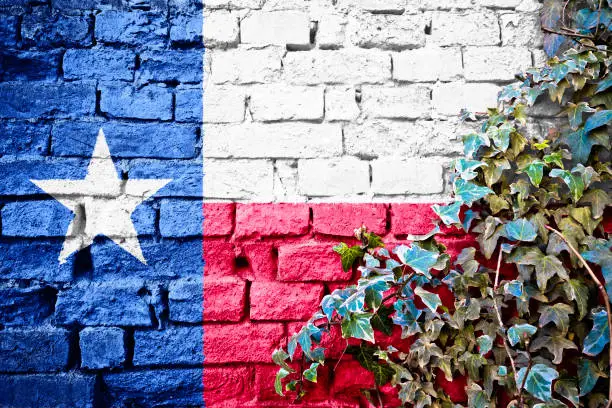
311 373
278 386
473 142
573 181
366 355
348 255
473 363
546 266
477 397
382 321
279 356
521 230
557 314
519 332
485 344
466 168
469 192
514 288
358 326
596 120
600 255
577 291
568 389
539 380
535 171
449 214
588 374
431 300
599 336
598 199
419 259
555 344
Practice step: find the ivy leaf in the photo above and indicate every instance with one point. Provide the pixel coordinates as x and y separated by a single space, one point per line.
598 199
473 142
473 362
521 230
535 171
366 355
514 288
604 84
466 168
574 112
449 214
419 259
568 389
578 292
518 332
311 373
406 315
468 217
598 119
278 385
588 374
599 336
557 314
583 216
555 344
469 192
485 344
477 397
382 321
546 266
600 255
279 356
358 326
348 255
573 181
539 380
431 300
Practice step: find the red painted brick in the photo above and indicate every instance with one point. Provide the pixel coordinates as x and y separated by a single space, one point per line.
260 219
262 261
415 219
242 342
228 386
350 377
219 258
342 219
218 219
310 262
224 299
284 301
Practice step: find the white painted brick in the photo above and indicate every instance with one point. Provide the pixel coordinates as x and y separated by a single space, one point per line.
521 29
337 67
337 177
377 6
276 140
286 182
224 104
407 176
221 29
529 6
331 31
446 5
449 99
508 4
281 102
389 32
407 102
238 179
246 66
290 28
233 4
539 57
427 65
494 63
472 28
340 103
312 7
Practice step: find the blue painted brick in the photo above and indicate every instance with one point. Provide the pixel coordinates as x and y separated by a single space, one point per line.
167 258
125 140
34 260
29 65
25 306
186 29
185 299
34 350
102 63
24 138
102 347
48 390
113 303
191 7
175 345
70 5
44 29
35 219
166 66
8 30
134 28
153 388
45 100
186 177
149 102
144 217
188 105
16 174
180 218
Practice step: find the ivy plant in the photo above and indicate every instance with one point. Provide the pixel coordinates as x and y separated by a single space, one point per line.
529 323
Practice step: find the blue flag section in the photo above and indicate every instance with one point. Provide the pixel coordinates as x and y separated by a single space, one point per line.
101 183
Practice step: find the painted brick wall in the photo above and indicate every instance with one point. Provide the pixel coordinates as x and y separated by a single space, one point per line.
101 330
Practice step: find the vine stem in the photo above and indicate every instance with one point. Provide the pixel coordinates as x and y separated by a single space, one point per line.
604 295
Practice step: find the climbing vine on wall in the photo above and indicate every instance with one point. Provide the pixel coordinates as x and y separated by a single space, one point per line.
529 323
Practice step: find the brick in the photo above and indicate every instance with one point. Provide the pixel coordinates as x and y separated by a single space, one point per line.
409 65
48 390
180 218
521 30
224 299
350 377
221 30
410 102
183 387
224 105
102 63
8 30
379 6
185 300
113 303
218 219
414 219
45 30
301 302
449 99
389 32
342 218
174 345
340 103
407 176
102 347
510 4
261 219
310 262
149 102
34 350
226 386
261 257
281 102
337 67
494 63
34 260
132 28
188 104
29 65
219 258
171 66
343 176
331 32
186 29
35 219
246 66
125 140
300 140
26 306
472 28
286 181
13 169
290 28
24 138
241 342
385 138
238 179
47 100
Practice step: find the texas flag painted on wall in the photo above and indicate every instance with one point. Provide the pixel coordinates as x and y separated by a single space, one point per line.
173 176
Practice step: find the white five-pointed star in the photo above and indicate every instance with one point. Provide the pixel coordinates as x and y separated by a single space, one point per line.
102 203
